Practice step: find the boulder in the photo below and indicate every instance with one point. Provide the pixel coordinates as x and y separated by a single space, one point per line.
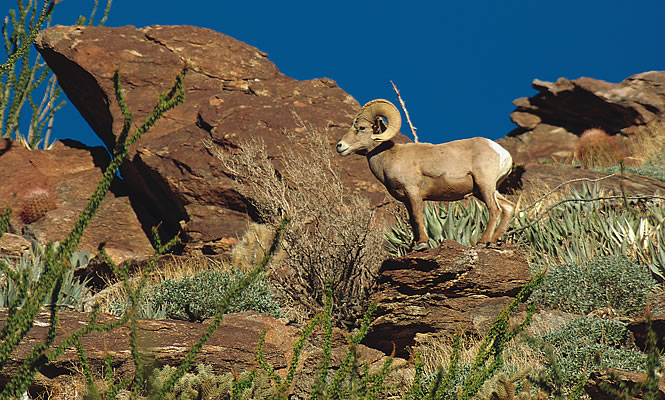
443 290
233 93
68 174
231 348
551 121
640 329
599 381
640 326
12 245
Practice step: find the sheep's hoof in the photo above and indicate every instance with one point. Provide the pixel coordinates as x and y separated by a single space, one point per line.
420 247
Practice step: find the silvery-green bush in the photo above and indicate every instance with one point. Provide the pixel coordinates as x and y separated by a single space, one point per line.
617 282
587 344
196 297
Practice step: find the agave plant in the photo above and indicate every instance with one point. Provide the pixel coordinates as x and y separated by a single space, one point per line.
643 239
30 267
579 228
458 221
583 228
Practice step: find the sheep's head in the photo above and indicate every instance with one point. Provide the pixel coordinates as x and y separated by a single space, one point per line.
368 129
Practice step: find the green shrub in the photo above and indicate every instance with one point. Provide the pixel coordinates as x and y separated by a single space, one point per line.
583 345
196 297
617 282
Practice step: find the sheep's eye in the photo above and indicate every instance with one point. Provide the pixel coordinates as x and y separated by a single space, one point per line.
361 128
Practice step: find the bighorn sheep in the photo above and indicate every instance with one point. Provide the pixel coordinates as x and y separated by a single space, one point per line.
413 172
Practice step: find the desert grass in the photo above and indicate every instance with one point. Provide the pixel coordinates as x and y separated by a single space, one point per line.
645 145
538 196
253 246
435 352
65 387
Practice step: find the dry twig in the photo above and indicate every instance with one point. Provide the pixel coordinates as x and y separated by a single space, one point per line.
559 186
408 119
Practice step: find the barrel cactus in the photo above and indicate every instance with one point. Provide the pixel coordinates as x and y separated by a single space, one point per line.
36 203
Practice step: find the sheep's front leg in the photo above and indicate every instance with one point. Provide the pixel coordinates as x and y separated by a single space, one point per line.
414 205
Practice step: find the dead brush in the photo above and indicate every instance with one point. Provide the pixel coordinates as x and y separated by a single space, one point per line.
333 236
645 145
253 246
439 350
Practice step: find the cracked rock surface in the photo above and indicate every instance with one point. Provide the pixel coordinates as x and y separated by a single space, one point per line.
233 92
443 291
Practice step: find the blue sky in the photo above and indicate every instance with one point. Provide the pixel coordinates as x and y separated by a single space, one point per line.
458 65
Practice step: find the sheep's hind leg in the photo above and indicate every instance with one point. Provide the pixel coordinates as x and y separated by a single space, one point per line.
507 211
488 197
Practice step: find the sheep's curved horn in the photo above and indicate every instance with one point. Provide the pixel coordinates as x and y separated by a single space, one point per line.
386 109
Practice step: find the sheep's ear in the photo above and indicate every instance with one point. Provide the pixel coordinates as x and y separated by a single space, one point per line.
379 126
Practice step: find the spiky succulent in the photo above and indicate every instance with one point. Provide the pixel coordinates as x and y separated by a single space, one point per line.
36 203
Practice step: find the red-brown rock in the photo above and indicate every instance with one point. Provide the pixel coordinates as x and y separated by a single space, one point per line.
443 290
566 108
70 172
231 348
233 92
599 381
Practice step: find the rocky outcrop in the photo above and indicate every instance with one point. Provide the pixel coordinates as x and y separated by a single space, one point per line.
69 173
231 348
233 93
596 387
443 290
550 122
13 245
233 345
544 176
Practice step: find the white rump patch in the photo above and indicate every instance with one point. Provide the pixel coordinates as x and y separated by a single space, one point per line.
505 160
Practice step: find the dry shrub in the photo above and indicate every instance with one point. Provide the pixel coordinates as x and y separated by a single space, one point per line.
437 351
253 246
333 235
519 360
597 149
646 144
